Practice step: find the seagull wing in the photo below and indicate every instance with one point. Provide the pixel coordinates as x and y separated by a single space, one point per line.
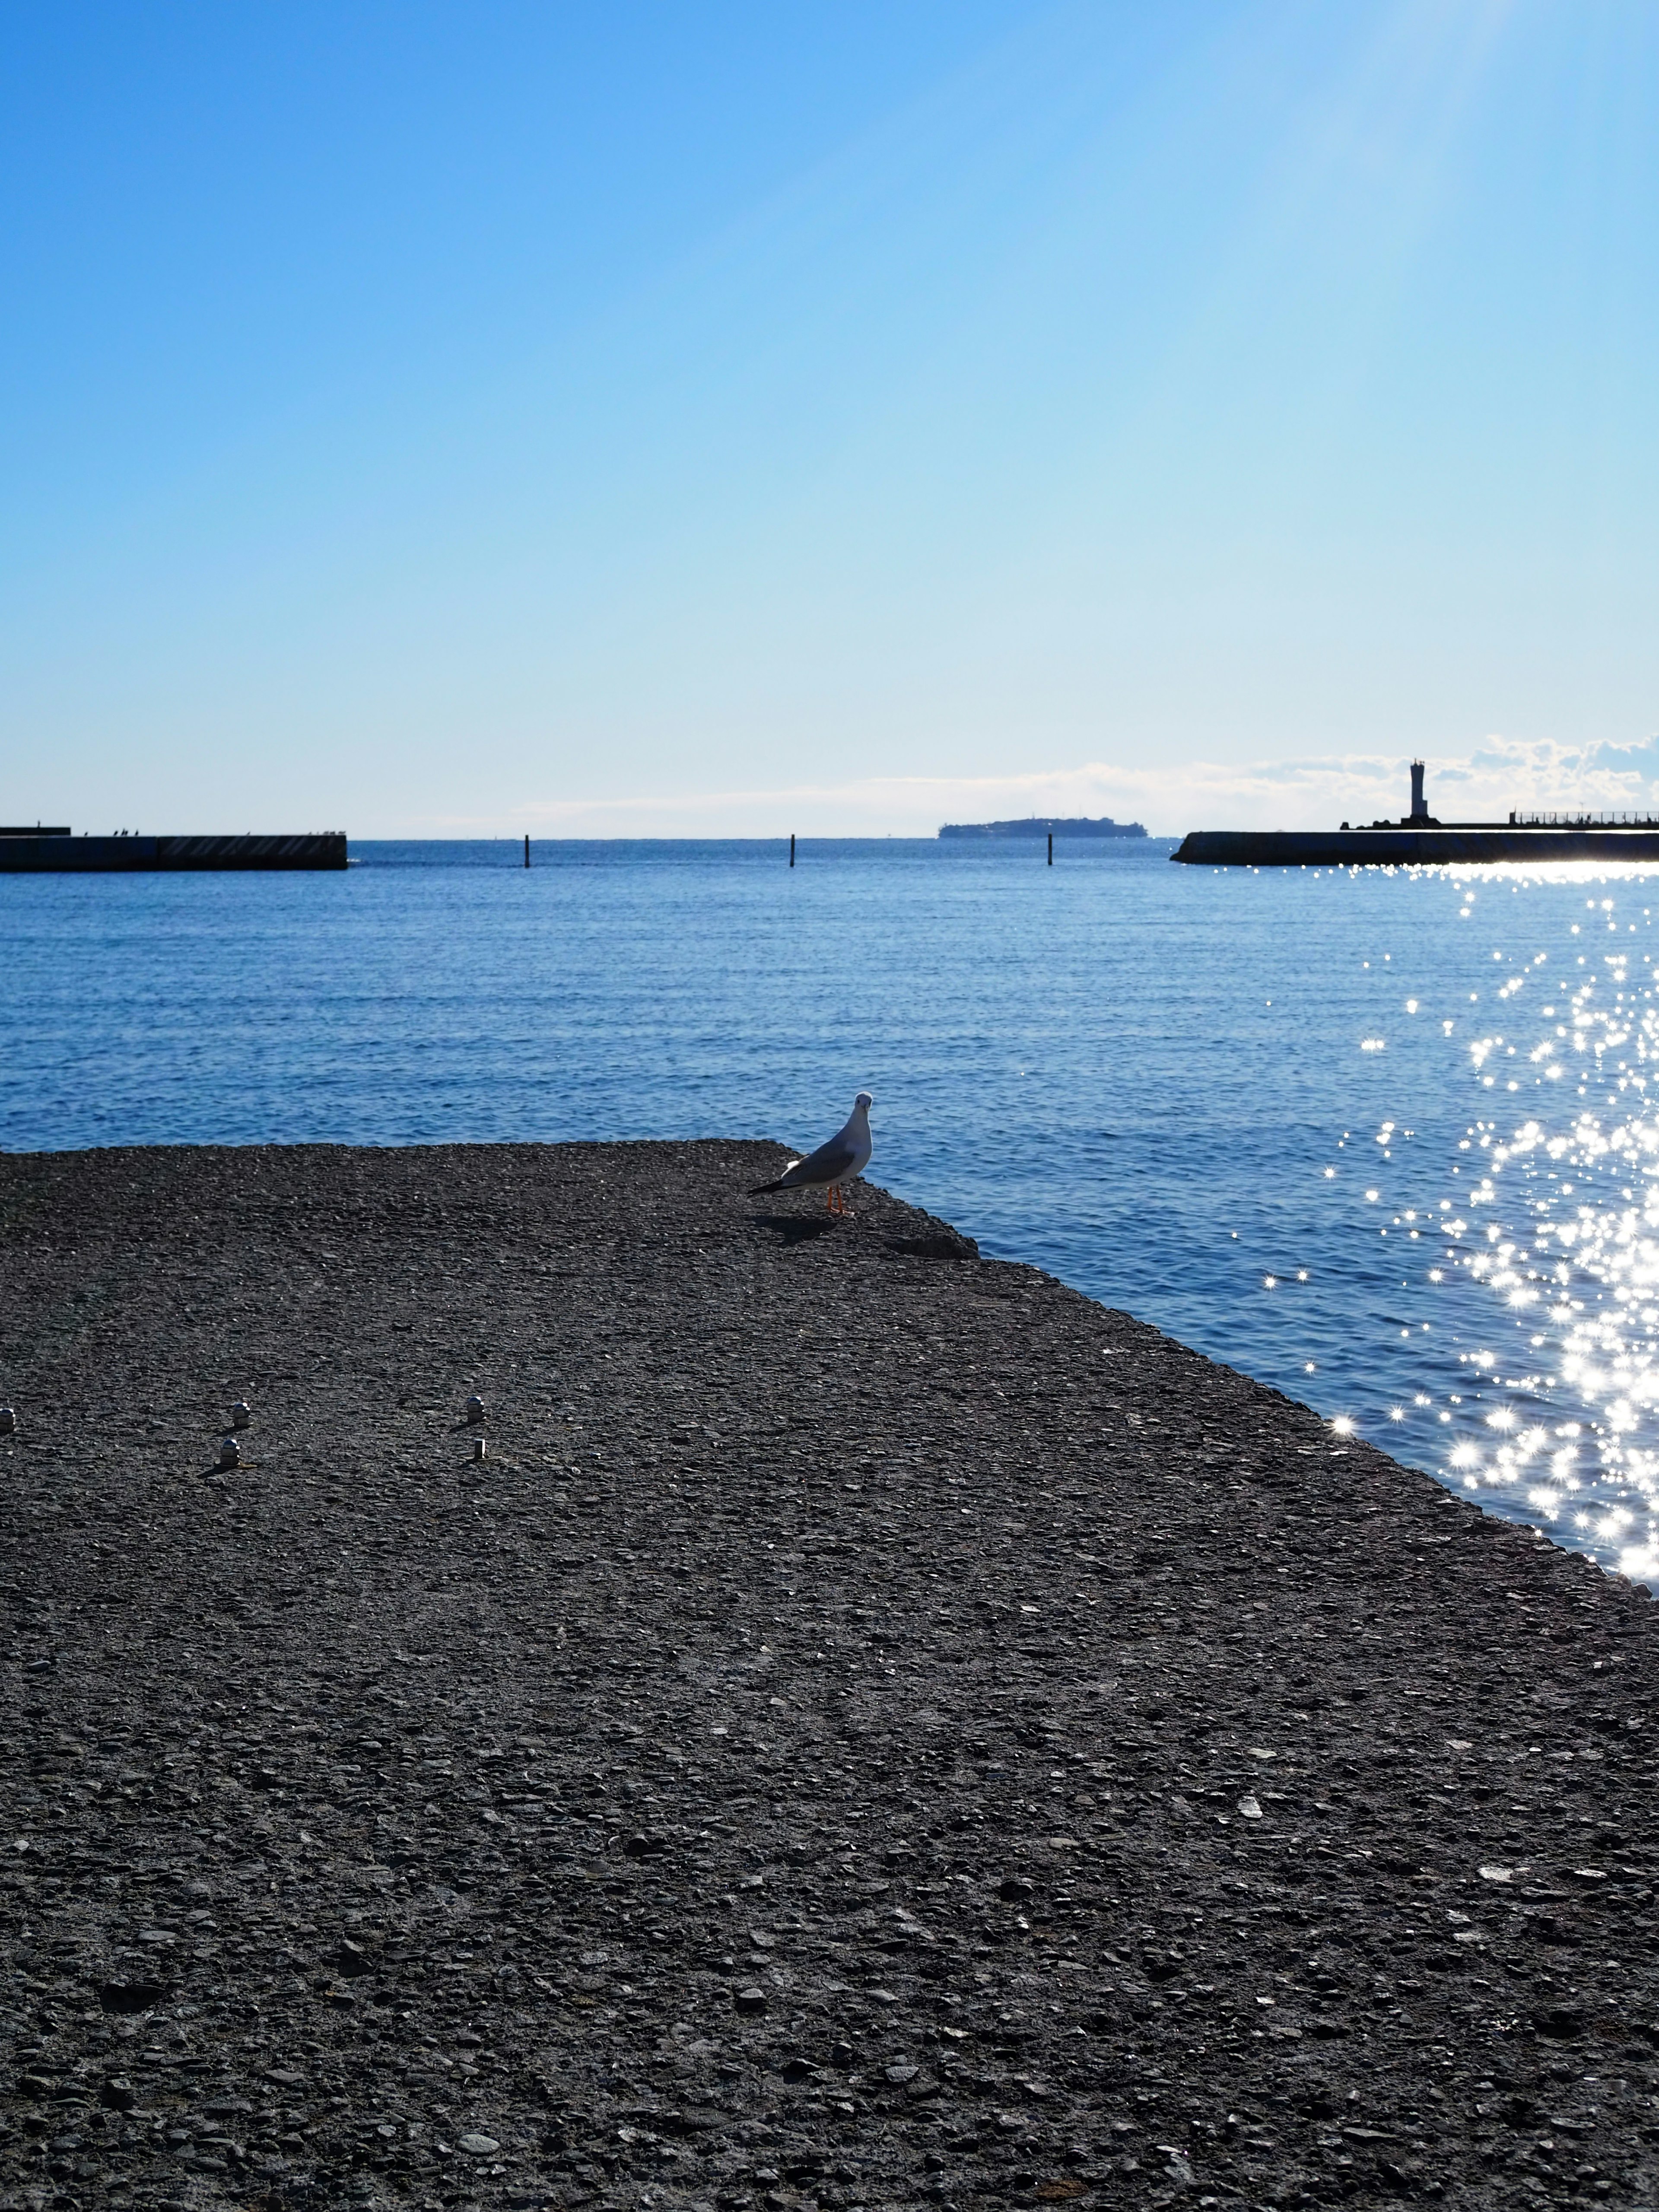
830 1163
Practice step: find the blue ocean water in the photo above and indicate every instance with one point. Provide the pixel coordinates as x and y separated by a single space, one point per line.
1381 1139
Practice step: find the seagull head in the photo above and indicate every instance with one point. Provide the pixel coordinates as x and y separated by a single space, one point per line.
863 1103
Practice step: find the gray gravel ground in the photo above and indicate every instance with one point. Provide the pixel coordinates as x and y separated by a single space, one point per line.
876 1729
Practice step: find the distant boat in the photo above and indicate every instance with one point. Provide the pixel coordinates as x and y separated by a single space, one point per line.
1046 825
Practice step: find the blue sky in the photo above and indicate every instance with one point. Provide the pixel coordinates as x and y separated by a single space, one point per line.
434 420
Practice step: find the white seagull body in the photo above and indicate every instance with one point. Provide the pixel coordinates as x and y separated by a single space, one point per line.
843 1159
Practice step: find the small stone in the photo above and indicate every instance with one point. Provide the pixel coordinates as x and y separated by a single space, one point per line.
117 2095
1250 1808
750 2000
479 2146
901 2073
1014 1890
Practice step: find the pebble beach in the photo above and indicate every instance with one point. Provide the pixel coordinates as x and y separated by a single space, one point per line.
873 1728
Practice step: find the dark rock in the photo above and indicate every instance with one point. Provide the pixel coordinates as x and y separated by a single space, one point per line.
118 2094
749 2000
131 1996
935 1240
1014 1889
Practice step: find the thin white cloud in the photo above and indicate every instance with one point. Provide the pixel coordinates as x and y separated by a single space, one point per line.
1315 792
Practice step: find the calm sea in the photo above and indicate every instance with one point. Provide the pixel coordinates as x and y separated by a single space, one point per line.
1379 1139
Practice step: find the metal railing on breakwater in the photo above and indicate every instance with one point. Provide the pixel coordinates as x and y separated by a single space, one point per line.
1584 820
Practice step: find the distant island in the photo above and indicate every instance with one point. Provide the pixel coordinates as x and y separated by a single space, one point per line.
1045 825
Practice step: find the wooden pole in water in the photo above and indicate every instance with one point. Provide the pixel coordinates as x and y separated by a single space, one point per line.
792 849
1051 850
527 850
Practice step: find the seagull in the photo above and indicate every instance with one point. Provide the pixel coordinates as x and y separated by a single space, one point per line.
842 1160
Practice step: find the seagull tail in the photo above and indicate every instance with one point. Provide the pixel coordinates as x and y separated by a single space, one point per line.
761 1189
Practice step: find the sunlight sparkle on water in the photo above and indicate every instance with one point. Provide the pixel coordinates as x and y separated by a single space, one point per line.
1554 1229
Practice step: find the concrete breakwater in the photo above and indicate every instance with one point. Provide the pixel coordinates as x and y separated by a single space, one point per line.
59 853
1407 847
875 1727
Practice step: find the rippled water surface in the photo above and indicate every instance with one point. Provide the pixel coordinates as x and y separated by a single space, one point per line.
1380 1138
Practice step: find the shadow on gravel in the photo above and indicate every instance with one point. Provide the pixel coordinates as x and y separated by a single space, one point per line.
929 1240
796 1228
